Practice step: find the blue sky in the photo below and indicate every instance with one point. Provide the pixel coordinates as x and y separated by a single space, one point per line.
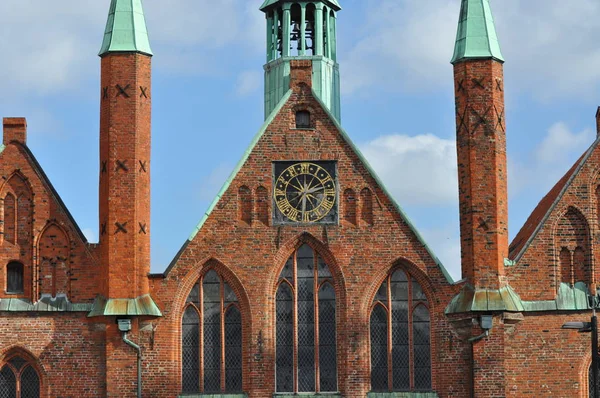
397 100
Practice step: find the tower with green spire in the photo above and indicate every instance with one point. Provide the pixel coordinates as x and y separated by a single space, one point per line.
482 182
302 30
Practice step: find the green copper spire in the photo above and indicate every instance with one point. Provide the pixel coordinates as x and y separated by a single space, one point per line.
476 36
126 28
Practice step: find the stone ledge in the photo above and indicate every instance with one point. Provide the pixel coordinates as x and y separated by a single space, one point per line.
402 395
241 395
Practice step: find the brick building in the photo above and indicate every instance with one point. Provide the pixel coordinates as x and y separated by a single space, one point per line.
304 277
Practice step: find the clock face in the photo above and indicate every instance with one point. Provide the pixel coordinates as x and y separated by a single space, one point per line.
305 192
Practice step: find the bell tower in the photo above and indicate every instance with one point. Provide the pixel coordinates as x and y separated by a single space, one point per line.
302 31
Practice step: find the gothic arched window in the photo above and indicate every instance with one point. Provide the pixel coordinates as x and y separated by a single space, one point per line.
211 338
306 359
400 310
18 379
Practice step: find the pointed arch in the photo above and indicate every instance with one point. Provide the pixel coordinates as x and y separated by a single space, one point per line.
219 335
54 249
350 206
400 337
245 204
306 313
290 246
18 185
566 266
262 205
572 233
366 206
20 374
10 218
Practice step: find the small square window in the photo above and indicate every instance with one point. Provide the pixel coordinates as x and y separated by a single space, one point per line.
303 120
14 278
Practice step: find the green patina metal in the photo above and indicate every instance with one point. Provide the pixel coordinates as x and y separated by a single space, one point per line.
269 3
569 298
345 136
126 29
288 23
325 81
476 36
485 300
140 306
45 304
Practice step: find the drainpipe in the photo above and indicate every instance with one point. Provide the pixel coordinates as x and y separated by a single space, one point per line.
125 327
486 324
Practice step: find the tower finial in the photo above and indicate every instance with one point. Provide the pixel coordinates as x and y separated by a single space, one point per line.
126 29
476 37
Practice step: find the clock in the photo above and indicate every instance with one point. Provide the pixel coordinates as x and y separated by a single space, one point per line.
305 192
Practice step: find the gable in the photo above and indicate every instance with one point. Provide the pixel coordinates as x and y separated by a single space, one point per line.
542 211
306 144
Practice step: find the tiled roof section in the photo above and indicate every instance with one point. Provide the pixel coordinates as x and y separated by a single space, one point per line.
539 215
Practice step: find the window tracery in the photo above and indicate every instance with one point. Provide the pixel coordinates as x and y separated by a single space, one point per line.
18 379
212 338
306 353
400 333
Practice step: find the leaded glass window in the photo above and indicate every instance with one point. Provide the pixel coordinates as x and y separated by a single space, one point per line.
211 338
14 277
306 354
18 379
401 362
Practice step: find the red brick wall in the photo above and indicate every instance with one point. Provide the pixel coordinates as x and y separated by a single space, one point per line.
252 256
77 273
68 350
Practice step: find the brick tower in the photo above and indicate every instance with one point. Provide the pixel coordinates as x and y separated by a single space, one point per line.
125 134
481 146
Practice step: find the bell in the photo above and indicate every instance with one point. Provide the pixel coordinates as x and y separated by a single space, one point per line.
296 28
279 46
295 36
309 26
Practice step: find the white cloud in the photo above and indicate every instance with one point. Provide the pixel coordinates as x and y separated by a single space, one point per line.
549 160
419 170
248 81
51 46
550 46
